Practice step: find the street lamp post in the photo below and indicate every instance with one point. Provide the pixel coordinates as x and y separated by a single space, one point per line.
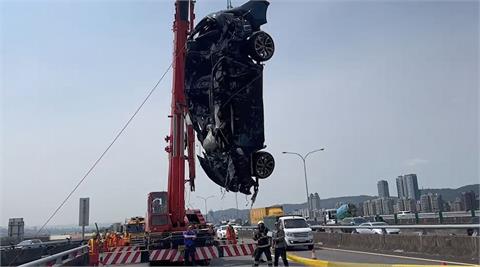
304 158
206 210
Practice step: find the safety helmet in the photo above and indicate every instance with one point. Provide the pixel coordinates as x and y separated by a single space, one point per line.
260 222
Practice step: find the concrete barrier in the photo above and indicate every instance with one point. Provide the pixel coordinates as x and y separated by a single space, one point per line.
461 247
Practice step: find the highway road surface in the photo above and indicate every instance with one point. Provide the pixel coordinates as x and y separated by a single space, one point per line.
337 255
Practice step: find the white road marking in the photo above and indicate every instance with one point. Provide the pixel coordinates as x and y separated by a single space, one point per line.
398 256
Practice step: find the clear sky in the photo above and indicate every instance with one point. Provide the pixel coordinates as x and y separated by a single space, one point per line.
387 87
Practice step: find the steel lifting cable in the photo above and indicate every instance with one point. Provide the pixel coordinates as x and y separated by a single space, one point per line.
103 153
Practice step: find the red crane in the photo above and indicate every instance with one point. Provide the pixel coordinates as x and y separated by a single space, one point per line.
166 210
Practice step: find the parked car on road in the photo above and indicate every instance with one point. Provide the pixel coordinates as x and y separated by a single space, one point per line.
31 243
377 230
222 231
297 231
351 221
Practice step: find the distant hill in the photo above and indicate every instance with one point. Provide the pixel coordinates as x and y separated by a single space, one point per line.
448 194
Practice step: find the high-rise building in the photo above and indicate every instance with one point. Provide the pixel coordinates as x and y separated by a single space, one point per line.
410 205
468 200
378 206
387 205
418 205
412 186
400 205
407 186
431 202
400 191
457 205
436 202
314 201
382 187
366 211
372 208
360 209
425 203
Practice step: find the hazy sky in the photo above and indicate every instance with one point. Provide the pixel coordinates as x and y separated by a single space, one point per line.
387 87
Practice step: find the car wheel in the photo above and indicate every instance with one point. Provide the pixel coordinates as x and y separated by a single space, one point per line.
261 45
310 247
263 164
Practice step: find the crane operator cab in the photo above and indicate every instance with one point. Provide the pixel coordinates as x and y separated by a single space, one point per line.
158 217
159 230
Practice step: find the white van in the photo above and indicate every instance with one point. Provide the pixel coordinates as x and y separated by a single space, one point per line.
297 231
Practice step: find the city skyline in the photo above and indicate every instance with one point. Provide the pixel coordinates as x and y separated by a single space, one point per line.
386 87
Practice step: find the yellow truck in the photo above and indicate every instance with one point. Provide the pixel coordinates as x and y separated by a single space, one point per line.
259 214
134 231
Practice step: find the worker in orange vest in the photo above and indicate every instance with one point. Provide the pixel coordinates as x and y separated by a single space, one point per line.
119 240
110 240
231 235
105 243
93 250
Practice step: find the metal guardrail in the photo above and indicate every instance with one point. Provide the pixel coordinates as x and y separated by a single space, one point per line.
431 215
417 226
409 226
43 244
60 258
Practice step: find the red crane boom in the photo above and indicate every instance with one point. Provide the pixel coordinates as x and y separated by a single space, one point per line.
166 210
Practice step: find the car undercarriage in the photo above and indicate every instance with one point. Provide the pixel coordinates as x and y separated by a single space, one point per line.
224 91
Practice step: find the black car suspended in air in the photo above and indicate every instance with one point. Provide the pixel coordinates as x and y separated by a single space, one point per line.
224 90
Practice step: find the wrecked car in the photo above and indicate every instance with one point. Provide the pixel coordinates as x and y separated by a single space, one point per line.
224 90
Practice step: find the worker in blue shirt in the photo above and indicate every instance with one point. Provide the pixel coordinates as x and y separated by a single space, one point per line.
189 237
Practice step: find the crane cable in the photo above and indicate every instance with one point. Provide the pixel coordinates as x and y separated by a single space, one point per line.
104 151
108 147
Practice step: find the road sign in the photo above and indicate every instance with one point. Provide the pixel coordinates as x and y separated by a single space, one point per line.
84 211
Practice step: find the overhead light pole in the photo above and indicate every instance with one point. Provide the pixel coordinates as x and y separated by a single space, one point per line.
205 200
304 158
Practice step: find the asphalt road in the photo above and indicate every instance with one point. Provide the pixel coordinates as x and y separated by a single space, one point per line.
340 255
336 255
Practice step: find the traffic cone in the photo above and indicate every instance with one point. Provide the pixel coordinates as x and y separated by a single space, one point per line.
313 254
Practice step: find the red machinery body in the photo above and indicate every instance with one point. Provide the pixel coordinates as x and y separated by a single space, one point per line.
166 210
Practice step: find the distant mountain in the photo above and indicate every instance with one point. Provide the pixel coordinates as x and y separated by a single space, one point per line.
448 194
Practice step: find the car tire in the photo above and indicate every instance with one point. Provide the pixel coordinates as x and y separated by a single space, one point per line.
263 164
261 46
310 247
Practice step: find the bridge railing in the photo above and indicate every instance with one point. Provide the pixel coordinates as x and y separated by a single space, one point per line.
416 226
60 258
402 226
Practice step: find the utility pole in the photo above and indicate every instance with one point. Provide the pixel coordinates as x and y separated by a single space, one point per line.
236 202
304 158
205 200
